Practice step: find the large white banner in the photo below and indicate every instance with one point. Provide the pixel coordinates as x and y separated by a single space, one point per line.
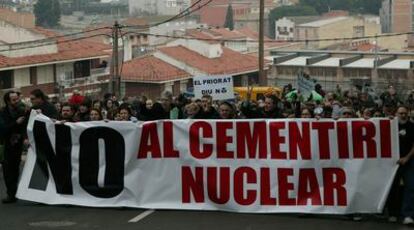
263 166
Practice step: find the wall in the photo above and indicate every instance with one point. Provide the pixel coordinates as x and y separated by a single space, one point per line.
395 43
21 77
25 20
149 90
237 46
136 6
45 74
171 7
13 34
401 16
203 48
169 29
342 28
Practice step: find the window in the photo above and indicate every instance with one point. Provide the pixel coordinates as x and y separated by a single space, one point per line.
171 3
33 75
6 79
359 31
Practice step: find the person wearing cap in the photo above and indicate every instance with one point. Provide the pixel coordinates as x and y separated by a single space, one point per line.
347 113
76 98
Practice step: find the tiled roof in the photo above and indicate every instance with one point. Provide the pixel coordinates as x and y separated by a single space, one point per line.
223 33
219 33
151 69
77 49
228 34
200 34
366 47
230 62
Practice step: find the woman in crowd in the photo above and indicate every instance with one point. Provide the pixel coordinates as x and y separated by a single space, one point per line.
109 110
192 110
125 113
306 113
95 115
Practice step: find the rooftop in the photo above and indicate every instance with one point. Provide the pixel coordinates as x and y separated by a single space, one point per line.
67 50
329 62
298 61
362 63
399 64
354 59
230 62
151 69
323 22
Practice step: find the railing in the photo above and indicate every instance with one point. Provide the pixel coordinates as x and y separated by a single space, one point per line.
96 77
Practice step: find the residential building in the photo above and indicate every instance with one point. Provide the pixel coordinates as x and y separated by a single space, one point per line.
344 68
171 68
335 27
174 28
245 13
396 16
242 40
157 7
33 57
285 27
133 42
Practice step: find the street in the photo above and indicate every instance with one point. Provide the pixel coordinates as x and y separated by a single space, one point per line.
28 215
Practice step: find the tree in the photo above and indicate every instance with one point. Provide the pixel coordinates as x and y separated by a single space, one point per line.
285 11
47 13
229 18
354 6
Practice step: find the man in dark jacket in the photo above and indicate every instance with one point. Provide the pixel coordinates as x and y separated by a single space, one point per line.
270 109
40 102
207 110
14 120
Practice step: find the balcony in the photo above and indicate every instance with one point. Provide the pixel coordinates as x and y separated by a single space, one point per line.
97 76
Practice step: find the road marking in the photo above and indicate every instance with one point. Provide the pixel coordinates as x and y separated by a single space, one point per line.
141 216
52 224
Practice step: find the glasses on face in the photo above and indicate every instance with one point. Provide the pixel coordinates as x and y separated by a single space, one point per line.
347 113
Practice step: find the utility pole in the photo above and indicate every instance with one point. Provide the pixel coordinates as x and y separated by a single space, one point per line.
262 75
114 82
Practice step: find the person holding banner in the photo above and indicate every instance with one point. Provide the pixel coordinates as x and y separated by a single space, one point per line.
405 173
67 113
40 102
14 115
95 115
125 113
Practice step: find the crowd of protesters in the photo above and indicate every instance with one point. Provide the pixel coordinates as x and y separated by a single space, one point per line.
289 104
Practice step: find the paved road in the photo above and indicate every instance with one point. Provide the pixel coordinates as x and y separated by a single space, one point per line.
28 215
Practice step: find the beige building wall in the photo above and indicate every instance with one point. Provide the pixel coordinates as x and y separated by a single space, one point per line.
45 74
397 43
21 77
349 27
401 19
